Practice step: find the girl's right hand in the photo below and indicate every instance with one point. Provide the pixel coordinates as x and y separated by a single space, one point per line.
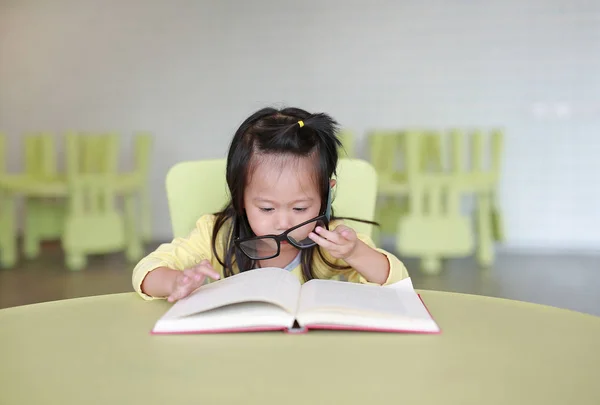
190 279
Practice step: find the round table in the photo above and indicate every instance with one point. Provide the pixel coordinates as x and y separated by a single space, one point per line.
98 350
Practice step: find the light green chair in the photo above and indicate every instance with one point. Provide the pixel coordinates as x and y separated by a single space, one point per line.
187 184
44 215
434 227
40 186
65 206
93 225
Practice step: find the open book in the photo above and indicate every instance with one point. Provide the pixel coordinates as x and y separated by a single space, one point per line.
273 299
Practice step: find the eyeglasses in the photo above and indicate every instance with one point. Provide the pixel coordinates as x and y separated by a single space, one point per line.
269 246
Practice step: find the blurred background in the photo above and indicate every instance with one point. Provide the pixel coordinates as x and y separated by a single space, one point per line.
495 106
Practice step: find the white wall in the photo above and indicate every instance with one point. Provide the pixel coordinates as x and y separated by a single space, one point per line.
191 71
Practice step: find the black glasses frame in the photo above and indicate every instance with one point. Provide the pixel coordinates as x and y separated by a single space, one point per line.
283 237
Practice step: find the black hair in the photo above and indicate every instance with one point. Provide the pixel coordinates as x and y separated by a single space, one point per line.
273 131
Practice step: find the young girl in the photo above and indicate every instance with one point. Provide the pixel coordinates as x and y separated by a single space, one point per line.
279 172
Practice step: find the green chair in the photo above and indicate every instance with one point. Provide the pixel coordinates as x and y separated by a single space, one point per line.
40 186
92 224
434 227
44 215
187 184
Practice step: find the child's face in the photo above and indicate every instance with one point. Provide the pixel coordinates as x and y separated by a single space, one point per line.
281 194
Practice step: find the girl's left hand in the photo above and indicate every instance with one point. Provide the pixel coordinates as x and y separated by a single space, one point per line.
341 243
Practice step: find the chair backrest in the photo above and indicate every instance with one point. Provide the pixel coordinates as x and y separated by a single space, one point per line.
40 155
196 188
91 184
348 139
143 143
355 194
2 153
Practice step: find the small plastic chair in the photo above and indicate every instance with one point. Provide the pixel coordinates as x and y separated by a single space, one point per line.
93 225
44 215
434 227
187 185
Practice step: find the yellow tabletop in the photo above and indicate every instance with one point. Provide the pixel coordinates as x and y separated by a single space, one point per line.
98 350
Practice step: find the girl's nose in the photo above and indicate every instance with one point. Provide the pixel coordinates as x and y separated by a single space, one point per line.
283 222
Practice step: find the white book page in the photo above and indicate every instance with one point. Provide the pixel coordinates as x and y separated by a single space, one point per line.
344 303
230 317
270 285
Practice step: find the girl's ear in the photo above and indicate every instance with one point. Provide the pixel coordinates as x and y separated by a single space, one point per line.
332 183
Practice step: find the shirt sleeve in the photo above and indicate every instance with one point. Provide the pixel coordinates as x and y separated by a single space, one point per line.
397 272
180 254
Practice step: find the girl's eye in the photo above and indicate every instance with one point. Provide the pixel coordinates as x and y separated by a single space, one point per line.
266 209
300 209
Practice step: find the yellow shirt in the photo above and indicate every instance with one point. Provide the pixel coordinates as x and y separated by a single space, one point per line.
183 253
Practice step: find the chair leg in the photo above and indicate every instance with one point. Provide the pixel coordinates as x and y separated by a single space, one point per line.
31 236
76 261
497 221
8 245
431 265
146 215
134 249
485 250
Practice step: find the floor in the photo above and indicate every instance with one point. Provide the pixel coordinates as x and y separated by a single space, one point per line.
566 281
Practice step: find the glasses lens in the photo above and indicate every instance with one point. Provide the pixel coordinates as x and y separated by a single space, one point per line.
259 248
299 236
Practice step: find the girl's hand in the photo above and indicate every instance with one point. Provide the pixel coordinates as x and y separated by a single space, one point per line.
190 279
341 243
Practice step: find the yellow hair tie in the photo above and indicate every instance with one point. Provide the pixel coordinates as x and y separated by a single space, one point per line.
301 123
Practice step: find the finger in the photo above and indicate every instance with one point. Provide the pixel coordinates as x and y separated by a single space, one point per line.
322 241
184 288
329 235
204 262
208 272
346 232
205 265
193 274
185 277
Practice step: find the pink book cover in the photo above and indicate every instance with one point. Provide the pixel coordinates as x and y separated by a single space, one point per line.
306 329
